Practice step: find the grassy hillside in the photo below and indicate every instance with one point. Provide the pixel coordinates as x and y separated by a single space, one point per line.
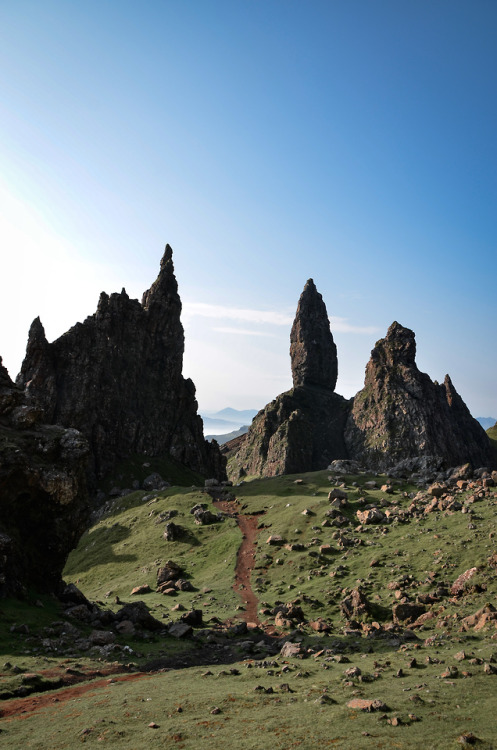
437 683
492 434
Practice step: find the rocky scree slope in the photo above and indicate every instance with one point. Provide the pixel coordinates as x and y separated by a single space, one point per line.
117 377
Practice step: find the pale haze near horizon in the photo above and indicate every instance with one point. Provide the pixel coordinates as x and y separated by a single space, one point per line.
268 144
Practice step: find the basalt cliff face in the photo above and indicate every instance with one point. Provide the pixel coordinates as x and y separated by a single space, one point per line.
117 378
44 505
301 430
401 414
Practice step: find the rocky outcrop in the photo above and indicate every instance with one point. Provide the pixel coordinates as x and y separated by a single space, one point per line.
401 414
117 378
313 352
301 430
44 505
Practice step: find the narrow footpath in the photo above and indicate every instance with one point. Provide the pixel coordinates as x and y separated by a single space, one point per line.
245 561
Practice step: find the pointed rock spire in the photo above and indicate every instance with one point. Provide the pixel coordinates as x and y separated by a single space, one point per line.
312 349
117 377
165 287
37 374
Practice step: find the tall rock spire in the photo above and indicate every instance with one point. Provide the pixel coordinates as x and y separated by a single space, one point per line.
301 430
312 350
117 377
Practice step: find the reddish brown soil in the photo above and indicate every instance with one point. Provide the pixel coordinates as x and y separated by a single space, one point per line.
24 707
245 561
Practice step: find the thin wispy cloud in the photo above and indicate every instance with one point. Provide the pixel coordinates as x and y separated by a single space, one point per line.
243 332
262 317
340 325
223 312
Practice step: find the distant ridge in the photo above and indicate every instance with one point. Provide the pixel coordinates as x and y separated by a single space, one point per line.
218 423
222 439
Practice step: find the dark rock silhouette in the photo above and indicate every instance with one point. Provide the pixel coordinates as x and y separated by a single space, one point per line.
117 377
312 350
401 414
44 506
301 430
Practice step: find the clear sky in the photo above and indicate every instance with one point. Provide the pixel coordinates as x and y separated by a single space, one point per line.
268 141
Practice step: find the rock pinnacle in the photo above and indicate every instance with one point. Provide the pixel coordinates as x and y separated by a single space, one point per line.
312 349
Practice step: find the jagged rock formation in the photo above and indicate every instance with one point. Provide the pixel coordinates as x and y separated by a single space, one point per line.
117 377
312 350
401 414
301 430
44 505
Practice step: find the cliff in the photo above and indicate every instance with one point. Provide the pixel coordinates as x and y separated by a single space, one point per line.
44 505
117 377
401 414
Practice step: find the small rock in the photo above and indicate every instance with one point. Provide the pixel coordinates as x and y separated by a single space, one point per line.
362 704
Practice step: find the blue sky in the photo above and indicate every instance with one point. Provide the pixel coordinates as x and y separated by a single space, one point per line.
268 143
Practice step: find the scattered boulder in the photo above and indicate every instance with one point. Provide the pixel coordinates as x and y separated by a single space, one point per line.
143 589
337 493
102 637
320 626
139 615
155 482
373 515
291 650
363 704
205 517
173 532
170 571
193 618
180 630
355 605
459 584
406 613
275 540
484 616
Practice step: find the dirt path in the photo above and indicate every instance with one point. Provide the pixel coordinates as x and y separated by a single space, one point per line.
245 563
245 560
24 707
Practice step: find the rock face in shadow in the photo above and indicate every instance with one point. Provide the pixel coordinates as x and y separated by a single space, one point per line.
401 414
44 505
117 378
301 430
313 352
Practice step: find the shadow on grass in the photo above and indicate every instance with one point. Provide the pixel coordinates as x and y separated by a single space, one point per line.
98 550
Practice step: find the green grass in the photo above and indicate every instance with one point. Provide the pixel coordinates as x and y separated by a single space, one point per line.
492 434
125 548
180 703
